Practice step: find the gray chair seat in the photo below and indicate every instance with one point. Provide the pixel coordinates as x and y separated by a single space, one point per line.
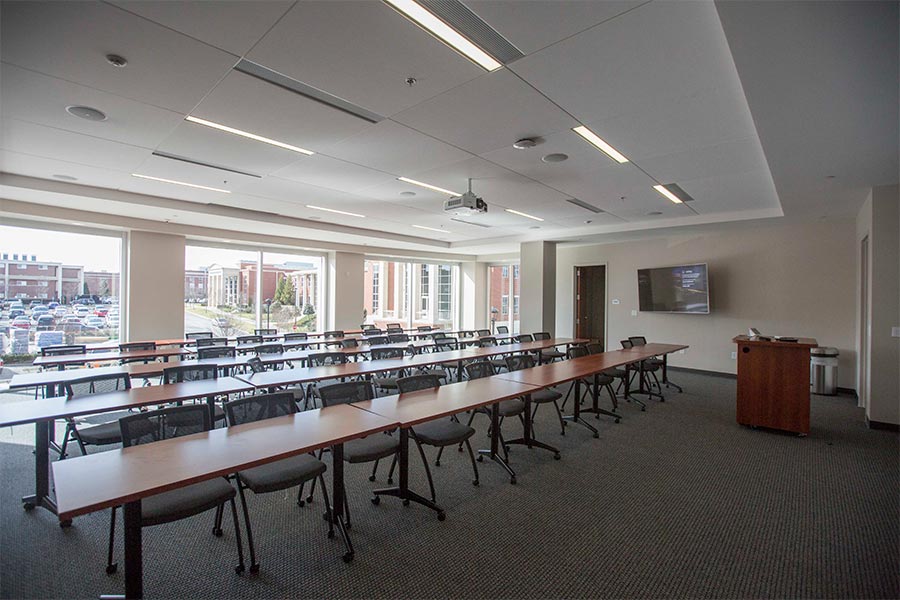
436 372
100 435
619 373
508 408
185 502
443 432
498 363
650 365
387 383
552 353
370 448
542 396
282 474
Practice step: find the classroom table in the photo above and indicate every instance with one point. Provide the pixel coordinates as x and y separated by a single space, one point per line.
657 349
90 483
42 413
63 360
114 344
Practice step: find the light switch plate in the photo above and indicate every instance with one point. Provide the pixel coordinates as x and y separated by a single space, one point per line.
615 300
895 331
634 313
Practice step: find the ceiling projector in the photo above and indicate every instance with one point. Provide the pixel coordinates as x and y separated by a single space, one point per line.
466 205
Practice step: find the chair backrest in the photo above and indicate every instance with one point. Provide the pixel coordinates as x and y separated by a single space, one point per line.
387 353
524 337
394 327
342 393
269 349
483 332
398 338
131 346
542 335
183 373
637 340
249 339
466 334
367 326
261 406
265 332
577 352
256 365
446 344
502 329
349 343
626 344
371 331
594 348
211 341
97 384
164 423
487 341
198 335
517 362
413 383
424 328
64 350
320 359
334 334
380 340
298 335
479 369
216 352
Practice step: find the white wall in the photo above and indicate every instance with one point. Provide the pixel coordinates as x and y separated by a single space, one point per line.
155 286
345 283
783 279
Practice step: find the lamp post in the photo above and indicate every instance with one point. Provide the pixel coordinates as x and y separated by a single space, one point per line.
494 312
268 307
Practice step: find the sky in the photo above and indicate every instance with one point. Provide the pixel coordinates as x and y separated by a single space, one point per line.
95 253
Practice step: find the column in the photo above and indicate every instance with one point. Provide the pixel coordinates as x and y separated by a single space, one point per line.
345 290
155 286
537 287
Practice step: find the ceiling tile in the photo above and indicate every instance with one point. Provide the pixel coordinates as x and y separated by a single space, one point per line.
738 192
71 39
738 156
324 171
363 52
46 168
233 26
156 166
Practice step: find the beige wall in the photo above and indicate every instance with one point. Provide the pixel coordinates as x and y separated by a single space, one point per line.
346 278
155 286
783 279
473 310
537 296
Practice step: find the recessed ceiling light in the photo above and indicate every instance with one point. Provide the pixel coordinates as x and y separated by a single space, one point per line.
425 19
331 210
429 186
521 214
251 136
116 60
191 185
525 143
407 193
556 157
86 112
429 228
66 177
662 190
594 139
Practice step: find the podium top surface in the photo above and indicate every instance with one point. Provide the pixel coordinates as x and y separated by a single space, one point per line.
800 343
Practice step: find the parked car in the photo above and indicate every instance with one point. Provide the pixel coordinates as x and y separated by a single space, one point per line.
16 312
101 311
97 322
37 315
22 322
39 308
82 311
53 305
60 311
44 322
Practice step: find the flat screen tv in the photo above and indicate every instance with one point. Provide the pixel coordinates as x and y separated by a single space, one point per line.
680 289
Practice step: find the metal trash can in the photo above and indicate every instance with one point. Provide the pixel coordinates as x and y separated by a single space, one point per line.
823 371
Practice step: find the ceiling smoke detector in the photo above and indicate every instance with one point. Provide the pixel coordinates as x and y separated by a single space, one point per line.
86 112
525 144
116 60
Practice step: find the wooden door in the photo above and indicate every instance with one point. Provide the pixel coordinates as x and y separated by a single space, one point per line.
590 303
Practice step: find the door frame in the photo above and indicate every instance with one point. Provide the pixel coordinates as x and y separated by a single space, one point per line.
575 268
862 378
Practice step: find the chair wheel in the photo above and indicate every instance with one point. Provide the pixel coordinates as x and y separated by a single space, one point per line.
474 482
371 478
390 480
459 449
617 420
301 503
442 516
65 524
596 435
110 569
376 500
480 458
239 569
512 480
643 409
437 463
331 534
327 516
217 531
309 499
556 456
254 569
348 557
28 505
406 503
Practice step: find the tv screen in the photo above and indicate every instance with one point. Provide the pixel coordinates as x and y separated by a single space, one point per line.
681 289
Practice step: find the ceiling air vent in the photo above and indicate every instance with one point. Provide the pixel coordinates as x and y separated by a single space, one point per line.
584 205
458 16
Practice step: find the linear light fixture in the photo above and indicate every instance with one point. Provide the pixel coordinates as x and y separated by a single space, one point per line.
332 210
429 186
595 139
425 19
191 185
430 228
521 214
665 192
248 135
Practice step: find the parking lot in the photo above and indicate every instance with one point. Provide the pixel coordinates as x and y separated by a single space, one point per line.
26 327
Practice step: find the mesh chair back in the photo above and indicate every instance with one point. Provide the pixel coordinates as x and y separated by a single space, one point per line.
517 362
483 332
270 349
334 334
424 328
198 335
131 346
637 340
98 384
259 407
380 340
321 359
349 343
398 338
164 423
446 344
487 341
394 327
577 352
524 337
502 329
256 365
212 341
387 353
63 350
371 331
542 335
413 383
249 339
216 352
367 326
466 334
343 393
626 344
265 332
594 348
300 335
183 373
479 369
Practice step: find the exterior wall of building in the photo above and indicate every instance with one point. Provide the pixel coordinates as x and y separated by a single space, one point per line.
196 284
39 280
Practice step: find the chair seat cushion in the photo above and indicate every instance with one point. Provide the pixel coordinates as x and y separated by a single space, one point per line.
185 502
443 432
511 408
615 373
436 372
385 382
542 396
553 353
370 448
282 474
100 435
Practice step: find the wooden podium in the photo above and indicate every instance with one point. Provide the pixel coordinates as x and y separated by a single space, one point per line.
773 383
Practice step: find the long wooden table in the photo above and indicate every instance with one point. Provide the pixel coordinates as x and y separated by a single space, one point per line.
106 479
42 413
64 360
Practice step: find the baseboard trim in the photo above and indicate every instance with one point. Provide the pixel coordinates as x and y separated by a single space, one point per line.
849 392
882 426
703 372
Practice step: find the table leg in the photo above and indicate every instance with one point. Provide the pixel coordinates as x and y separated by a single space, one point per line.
403 492
338 497
134 567
595 401
665 374
575 417
41 495
527 438
642 388
494 452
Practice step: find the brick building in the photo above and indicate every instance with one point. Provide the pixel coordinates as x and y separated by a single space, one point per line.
101 283
196 284
26 278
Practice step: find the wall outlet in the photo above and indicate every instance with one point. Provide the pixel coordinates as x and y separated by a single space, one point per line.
681 351
734 356
615 301
634 313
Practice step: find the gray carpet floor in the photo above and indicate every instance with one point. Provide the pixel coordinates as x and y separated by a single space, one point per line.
675 502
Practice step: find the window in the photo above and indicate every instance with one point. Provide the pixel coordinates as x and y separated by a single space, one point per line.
516 271
43 296
21 283
516 304
445 293
424 296
411 294
42 267
42 283
504 305
23 267
376 287
505 272
500 288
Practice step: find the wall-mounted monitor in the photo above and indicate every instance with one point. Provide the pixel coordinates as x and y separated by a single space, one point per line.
679 289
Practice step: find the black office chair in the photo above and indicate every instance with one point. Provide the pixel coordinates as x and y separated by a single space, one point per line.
544 396
320 359
438 433
615 373
627 345
269 349
349 343
101 434
216 352
136 346
394 328
366 326
249 339
337 333
372 330
523 338
189 372
180 503
398 338
296 336
603 380
275 476
65 350
387 381
443 371
198 335
379 340
265 332
502 329
548 354
371 448
483 332
211 341
424 328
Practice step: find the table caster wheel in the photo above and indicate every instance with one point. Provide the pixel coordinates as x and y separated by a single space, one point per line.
254 569
217 531
442 516
376 500
110 569
475 482
331 534
512 480
65 524
437 463
239 569
406 503
309 499
556 456
28 505
348 557
371 478
596 435
480 458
